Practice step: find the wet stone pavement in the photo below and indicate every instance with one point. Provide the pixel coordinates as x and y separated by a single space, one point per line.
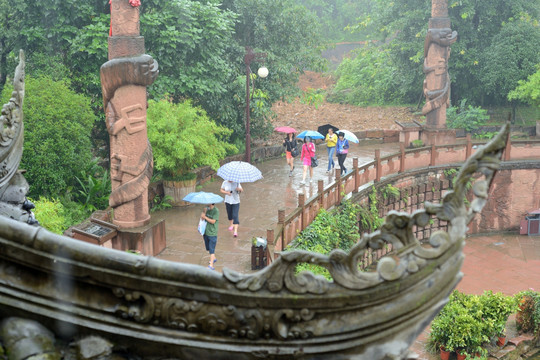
506 263
259 205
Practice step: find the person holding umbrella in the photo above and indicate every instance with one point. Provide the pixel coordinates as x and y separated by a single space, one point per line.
308 151
211 215
331 141
232 192
291 150
342 150
208 224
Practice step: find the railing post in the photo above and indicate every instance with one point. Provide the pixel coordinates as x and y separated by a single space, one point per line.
269 242
320 192
507 149
301 205
281 221
468 150
356 176
402 157
378 165
269 237
433 153
338 186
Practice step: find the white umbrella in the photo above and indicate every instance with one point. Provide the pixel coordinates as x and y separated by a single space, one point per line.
239 171
349 135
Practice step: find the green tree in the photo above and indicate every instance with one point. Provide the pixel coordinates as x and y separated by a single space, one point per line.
529 90
512 57
57 130
183 138
402 25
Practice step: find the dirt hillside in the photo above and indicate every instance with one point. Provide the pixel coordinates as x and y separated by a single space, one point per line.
354 118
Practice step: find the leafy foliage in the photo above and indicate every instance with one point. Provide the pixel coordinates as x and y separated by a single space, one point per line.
330 230
528 317
58 124
313 97
368 78
468 322
529 90
183 138
56 215
95 187
466 117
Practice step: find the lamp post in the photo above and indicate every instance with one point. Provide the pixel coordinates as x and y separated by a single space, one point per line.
262 72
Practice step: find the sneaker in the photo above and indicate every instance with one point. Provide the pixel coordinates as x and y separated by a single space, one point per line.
310 180
327 172
230 228
235 234
302 182
290 173
211 267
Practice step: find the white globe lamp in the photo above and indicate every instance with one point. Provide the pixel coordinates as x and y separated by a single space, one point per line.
262 72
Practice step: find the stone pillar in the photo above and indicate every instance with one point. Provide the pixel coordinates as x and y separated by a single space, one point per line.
124 79
436 53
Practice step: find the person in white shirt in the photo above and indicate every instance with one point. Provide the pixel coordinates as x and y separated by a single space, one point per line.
232 192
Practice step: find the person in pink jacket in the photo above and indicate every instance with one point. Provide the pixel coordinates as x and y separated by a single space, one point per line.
308 151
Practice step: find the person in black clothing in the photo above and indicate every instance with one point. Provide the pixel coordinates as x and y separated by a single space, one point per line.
291 150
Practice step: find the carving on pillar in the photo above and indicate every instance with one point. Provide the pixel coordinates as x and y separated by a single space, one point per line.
123 80
436 53
13 185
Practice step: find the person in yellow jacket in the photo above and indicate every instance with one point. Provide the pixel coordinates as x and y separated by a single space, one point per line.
331 141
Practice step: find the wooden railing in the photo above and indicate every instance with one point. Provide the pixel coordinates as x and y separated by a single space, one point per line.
405 160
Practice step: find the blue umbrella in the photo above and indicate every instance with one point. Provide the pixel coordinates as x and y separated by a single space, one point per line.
312 134
239 171
202 197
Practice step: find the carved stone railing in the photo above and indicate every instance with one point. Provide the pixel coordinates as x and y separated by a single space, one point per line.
406 160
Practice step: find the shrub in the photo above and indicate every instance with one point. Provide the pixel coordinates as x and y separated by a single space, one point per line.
337 229
466 117
183 138
528 317
57 215
57 135
468 322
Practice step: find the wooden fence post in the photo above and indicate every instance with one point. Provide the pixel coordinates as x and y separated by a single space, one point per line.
507 149
356 176
269 242
378 165
301 205
320 192
468 150
402 157
281 221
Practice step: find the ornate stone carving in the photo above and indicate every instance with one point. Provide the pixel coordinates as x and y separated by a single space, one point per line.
13 185
436 53
123 80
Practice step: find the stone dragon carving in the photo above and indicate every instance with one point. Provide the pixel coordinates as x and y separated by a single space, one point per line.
13 185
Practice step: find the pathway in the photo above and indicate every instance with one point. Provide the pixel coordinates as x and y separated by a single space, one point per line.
259 206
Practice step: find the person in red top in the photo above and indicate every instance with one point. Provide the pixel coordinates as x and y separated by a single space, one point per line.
308 151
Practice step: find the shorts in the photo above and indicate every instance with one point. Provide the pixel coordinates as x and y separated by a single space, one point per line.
232 212
210 243
306 161
288 155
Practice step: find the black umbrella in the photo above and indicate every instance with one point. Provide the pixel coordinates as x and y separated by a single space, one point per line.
323 129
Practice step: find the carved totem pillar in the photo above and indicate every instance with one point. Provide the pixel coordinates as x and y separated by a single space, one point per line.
436 54
124 79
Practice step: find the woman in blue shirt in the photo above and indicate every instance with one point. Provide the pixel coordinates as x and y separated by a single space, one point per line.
342 150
